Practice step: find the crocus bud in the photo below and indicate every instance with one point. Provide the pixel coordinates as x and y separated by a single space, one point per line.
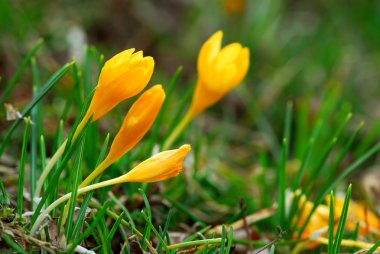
159 167
123 76
136 124
219 71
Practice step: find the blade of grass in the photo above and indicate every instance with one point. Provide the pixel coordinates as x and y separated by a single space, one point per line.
325 189
331 225
80 218
114 228
41 93
288 124
57 141
13 244
342 222
373 248
165 231
35 133
160 239
282 184
13 81
90 229
230 240
342 154
21 174
54 180
4 199
223 243
149 216
72 201
178 114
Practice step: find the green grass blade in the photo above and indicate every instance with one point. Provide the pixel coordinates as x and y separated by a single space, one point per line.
13 81
72 202
21 174
288 124
150 225
282 185
373 248
4 198
230 240
342 222
13 244
224 239
54 180
343 175
149 215
181 106
331 225
331 171
41 93
166 228
81 216
272 249
90 229
114 228
35 133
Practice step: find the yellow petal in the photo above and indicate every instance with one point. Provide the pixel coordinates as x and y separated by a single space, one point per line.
122 77
159 167
219 71
208 53
137 122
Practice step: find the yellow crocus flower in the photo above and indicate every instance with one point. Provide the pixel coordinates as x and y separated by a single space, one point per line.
136 123
123 76
219 71
157 168
357 213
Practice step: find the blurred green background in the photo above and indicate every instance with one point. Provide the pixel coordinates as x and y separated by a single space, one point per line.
323 55
301 51
298 48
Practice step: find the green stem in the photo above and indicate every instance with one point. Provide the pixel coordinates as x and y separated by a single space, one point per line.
48 168
58 155
194 243
67 197
177 131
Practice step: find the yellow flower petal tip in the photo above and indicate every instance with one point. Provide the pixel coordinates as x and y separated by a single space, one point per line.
137 122
159 167
219 71
123 76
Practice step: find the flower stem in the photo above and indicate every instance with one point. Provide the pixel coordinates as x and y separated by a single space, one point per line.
177 131
56 156
67 197
48 168
193 243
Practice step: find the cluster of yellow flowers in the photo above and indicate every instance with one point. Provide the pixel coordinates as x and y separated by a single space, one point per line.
317 226
127 74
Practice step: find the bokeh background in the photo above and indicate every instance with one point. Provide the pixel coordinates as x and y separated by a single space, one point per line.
298 48
301 51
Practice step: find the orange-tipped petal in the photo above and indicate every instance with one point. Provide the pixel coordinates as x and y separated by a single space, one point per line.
123 76
159 167
137 122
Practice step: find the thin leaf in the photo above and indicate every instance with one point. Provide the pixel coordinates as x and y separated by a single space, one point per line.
41 93
342 222
13 81
90 229
21 174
